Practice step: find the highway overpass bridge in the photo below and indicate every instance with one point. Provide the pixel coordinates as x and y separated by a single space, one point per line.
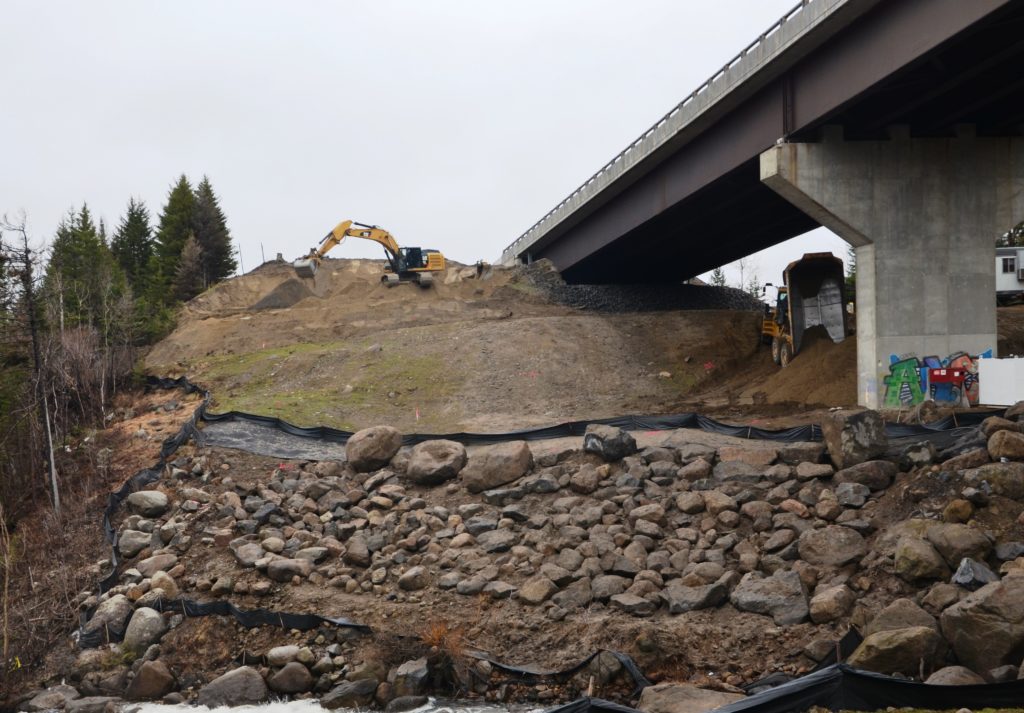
895 123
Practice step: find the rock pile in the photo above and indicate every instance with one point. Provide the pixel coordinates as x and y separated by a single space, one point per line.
770 529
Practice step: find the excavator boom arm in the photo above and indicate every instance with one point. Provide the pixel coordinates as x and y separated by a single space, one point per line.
345 229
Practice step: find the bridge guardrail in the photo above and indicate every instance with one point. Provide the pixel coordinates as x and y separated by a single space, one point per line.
632 154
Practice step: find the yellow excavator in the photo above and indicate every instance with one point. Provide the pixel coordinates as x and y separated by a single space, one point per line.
415 265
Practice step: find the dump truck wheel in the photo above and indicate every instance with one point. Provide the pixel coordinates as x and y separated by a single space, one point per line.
785 355
776 352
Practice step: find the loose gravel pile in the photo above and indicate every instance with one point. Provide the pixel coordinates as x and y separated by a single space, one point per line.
634 298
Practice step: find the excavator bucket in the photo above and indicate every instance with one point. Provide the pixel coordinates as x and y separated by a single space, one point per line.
305 267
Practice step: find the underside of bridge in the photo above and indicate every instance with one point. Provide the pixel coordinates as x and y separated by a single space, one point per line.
704 204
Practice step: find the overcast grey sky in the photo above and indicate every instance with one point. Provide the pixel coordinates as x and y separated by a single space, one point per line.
455 124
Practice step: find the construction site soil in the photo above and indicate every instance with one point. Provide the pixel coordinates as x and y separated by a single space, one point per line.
505 349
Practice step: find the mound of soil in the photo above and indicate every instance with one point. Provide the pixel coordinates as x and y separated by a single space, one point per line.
286 294
822 374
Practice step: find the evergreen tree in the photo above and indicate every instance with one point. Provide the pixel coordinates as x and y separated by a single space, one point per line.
1012 237
133 245
188 280
754 286
718 277
211 230
851 273
81 272
176 224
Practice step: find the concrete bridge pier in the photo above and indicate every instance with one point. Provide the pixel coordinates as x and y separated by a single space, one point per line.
923 215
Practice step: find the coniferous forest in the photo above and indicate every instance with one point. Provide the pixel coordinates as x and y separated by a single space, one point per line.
76 309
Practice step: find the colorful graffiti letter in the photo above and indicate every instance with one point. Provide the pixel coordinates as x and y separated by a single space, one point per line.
970 366
953 380
903 384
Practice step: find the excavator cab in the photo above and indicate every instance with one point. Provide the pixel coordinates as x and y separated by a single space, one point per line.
413 258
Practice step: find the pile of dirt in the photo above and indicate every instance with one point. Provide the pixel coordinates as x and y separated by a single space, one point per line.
287 294
495 350
822 374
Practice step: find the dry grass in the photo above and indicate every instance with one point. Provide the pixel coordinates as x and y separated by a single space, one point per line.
442 637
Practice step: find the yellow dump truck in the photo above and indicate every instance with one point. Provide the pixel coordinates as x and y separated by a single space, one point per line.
812 294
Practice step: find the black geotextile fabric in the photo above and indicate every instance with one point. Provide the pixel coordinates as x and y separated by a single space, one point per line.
943 433
248 618
562 430
534 675
840 687
591 705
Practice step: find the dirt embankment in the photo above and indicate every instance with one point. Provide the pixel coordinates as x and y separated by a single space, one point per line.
507 349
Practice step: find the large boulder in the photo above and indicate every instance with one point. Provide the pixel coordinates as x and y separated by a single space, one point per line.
145 629
968 459
372 448
434 462
900 614
875 474
350 694
283 570
410 678
157 563
683 698
110 619
986 628
1006 444
242 686
780 596
148 503
756 455
681 598
52 698
1013 413
164 581
853 437
833 545
899 650
831 604
972 574
954 541
994 424
414 579
1005 479
537 590
91 704
955 676
153 680
917 560
608 442
132 542
357 551
491 466
292 678
575 596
